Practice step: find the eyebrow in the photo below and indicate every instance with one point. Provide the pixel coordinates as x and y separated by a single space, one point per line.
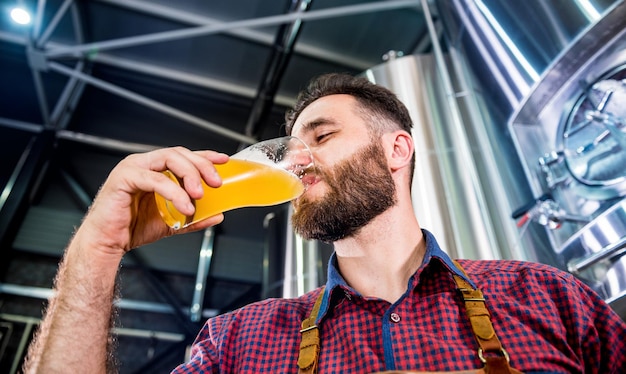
312 125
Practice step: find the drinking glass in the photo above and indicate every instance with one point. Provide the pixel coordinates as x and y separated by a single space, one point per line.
263 174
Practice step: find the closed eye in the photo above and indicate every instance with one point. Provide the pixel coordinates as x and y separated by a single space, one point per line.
322 137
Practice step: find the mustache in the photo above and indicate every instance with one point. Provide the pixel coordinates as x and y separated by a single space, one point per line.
314 174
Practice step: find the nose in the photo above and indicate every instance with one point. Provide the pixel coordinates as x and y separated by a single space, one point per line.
300 154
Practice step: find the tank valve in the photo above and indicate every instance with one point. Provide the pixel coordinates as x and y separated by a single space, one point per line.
545 212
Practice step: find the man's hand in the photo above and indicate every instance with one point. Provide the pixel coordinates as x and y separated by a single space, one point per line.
124 215
74 334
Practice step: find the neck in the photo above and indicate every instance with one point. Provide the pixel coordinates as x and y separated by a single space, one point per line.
379 260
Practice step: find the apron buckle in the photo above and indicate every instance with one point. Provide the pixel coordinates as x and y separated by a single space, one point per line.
502 353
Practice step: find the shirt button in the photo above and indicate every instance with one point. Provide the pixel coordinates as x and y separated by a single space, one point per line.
394 317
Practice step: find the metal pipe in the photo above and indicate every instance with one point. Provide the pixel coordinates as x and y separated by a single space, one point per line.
481 230
281 53
105 143
162 72
71 92
23 184
21 348
180 76
148 334
41 96
41 6
120 331
204 264
248 34
140 99
19 125
289 285
267 255
77 189
212 29
12 38
613 250
126 304
509 239
508 92
40 41
8 187
78 27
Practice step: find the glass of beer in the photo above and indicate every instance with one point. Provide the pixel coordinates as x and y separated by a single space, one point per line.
266 173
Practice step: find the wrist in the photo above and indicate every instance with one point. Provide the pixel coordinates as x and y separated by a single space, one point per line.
92 245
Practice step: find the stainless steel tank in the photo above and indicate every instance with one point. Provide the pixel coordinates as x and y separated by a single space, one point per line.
547 79
447 197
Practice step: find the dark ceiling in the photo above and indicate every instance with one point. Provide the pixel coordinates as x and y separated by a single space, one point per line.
95 80
91 81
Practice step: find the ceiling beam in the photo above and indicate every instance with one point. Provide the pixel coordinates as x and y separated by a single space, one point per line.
163 72
277 62
243 33
79 50
151 103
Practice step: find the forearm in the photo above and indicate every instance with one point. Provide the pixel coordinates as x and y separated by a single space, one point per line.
75 333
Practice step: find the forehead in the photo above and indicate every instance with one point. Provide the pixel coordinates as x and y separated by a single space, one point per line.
338 109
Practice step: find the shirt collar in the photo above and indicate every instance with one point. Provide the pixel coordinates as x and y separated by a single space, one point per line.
334 278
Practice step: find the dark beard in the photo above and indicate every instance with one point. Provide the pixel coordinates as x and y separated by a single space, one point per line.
360 189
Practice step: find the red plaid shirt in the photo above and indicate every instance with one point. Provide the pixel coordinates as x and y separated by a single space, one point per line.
547 320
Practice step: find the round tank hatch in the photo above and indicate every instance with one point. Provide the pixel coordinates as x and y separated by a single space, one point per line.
594 136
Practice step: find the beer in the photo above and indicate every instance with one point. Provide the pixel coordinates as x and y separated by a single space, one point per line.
244 183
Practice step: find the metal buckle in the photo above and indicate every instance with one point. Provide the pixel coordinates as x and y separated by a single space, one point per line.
484 360
465 291
308 328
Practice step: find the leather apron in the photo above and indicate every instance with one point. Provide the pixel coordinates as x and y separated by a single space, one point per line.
490 351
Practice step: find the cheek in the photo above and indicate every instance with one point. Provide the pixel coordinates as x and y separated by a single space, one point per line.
326 159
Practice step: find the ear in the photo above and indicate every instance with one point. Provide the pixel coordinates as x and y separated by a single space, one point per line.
401 151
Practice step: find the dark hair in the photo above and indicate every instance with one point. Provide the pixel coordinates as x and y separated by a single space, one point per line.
380 107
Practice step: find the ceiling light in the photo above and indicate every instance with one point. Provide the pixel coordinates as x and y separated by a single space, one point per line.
20 16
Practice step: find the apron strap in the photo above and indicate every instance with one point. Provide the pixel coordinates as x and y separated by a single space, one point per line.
490 350
310 344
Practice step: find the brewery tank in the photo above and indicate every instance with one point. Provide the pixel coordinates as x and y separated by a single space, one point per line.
527 160
549 78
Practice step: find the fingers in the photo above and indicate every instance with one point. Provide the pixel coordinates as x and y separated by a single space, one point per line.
188 165
203 224
188 170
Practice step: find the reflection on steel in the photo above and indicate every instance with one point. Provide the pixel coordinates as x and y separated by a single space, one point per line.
302 263
517 57
480 241
574 147
594 138
446 200
553 98
601 239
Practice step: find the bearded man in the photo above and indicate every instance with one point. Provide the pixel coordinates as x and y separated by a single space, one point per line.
393 300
